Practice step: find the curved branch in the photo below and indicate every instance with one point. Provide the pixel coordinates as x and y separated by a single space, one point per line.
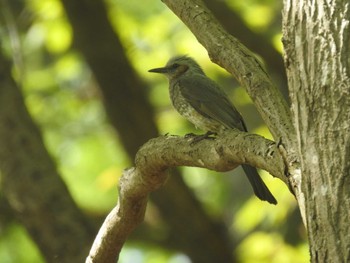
228 52
152 161
226 152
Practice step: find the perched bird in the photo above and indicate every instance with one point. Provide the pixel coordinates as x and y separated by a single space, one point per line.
200 100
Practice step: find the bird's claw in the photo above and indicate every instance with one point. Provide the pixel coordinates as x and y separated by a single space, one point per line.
190 135
197 138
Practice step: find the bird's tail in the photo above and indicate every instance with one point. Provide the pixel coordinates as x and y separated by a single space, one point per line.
259 187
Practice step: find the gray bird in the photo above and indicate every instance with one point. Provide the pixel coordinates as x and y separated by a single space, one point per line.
200 100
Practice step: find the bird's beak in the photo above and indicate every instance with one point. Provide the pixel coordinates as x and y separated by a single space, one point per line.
159 70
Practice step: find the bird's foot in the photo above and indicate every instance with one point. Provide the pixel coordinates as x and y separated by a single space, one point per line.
190 135
197 138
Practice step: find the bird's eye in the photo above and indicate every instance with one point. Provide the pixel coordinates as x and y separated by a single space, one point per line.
175 65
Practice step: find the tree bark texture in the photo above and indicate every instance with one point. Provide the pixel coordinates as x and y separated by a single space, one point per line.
152 162
256 42
316 37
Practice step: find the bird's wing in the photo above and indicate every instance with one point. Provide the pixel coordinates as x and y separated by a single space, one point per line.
206 97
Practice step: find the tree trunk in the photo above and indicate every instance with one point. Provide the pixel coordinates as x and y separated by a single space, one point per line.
31 185
317 47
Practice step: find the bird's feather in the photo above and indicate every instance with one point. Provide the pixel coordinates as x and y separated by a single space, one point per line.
205 96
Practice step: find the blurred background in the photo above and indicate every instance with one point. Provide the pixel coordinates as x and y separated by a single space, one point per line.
81 69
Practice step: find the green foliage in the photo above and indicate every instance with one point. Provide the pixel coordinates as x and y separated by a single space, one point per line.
16 246
270 248
259 15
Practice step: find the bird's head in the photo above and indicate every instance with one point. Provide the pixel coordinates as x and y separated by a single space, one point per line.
179 66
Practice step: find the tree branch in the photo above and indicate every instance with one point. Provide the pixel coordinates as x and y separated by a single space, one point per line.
257 42
151 163
228 52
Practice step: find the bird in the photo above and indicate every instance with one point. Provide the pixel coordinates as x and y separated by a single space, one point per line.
201 101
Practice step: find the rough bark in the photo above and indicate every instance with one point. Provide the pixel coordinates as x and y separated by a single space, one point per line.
149 173
317 47
259 43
